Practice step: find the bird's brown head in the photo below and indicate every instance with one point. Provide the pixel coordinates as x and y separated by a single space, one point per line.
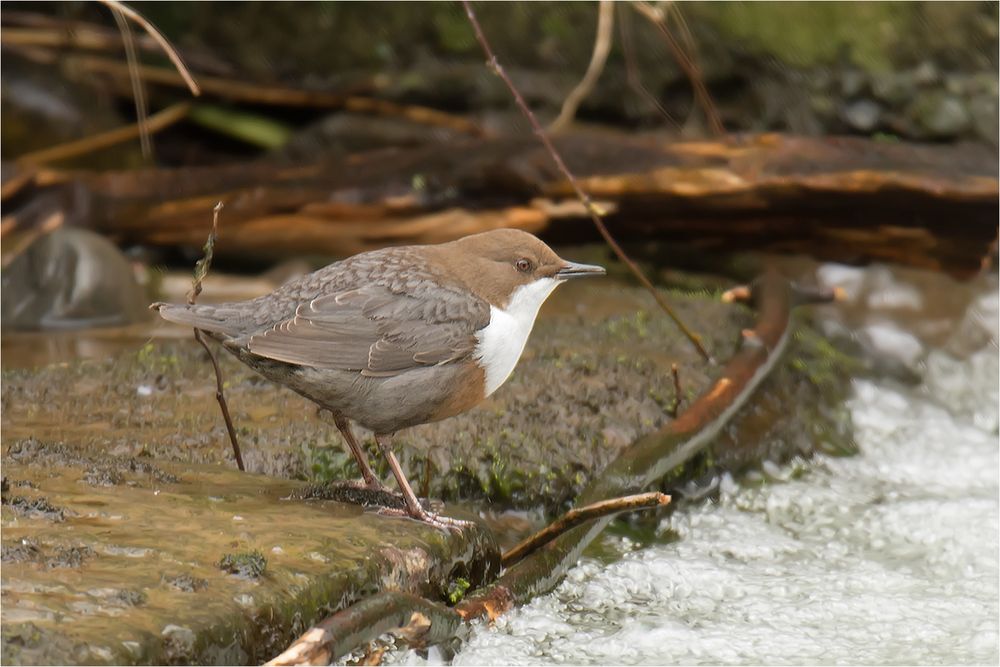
499 263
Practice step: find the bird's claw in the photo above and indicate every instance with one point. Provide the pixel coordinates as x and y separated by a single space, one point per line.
430 518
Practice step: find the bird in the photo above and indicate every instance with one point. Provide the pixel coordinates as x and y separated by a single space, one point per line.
397 337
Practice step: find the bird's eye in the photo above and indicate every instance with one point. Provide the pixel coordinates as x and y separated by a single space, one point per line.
523 265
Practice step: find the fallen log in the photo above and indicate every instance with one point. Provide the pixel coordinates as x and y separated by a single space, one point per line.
844 199
643 463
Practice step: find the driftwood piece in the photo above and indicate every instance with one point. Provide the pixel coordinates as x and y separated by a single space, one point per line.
842 199
641 464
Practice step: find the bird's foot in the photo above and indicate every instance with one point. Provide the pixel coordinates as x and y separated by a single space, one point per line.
430 518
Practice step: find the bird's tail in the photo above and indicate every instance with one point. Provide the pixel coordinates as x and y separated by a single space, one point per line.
213 319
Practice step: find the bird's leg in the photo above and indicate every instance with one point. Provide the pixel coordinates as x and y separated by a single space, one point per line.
371 481
413 507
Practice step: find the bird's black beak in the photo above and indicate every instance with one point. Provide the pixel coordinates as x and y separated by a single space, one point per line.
574 270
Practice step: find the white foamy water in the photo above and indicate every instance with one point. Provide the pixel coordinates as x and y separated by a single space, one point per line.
888 557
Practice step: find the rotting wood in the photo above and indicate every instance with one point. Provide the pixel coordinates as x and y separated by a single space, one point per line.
641 464
845 200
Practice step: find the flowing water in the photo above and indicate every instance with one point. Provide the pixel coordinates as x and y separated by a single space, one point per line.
889 557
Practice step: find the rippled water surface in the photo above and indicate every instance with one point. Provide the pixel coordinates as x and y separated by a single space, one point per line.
887 557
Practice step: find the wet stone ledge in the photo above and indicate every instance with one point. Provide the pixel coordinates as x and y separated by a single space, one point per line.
129 537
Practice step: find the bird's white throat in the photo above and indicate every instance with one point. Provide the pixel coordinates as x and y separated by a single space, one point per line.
502 341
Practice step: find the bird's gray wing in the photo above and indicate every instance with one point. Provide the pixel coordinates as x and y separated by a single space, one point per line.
377 332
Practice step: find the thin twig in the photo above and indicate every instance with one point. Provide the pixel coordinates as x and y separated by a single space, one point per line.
171 52
158 121
632 74
592 209
576 516
675 406
687 63
602 45
138 90
200 271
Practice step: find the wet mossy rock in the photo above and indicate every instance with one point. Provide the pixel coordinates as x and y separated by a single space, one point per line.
196 562
213 567
594 377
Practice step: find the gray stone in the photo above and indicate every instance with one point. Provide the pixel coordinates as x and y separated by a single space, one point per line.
862 115
956 84
984 82
852 82
894 88
926 74
940 115
71 278
985 123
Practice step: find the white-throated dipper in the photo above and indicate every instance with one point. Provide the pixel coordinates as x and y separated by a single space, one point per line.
395 337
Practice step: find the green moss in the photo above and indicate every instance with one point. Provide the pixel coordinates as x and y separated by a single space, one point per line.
822 364
454 34
456 589
813 33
